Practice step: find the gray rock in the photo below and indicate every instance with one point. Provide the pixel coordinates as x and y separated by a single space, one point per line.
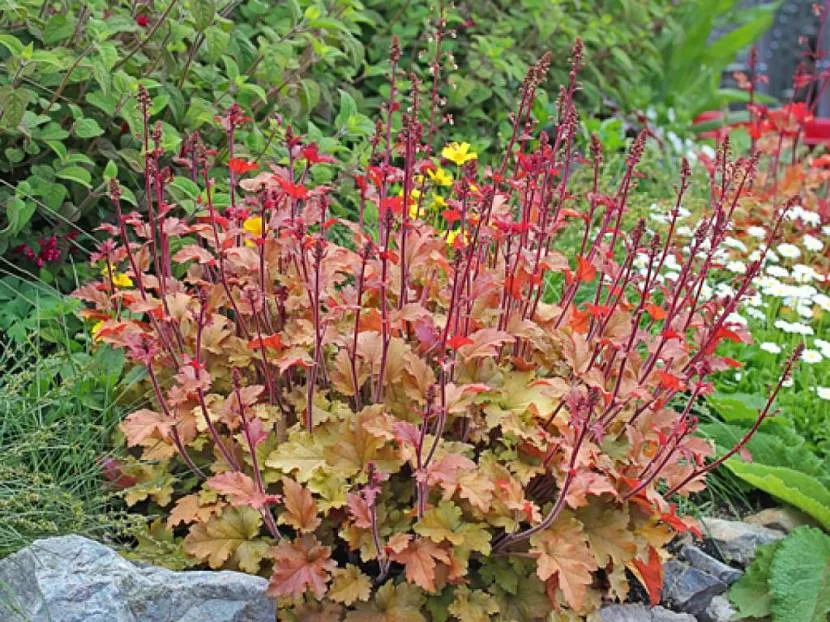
73 579
640 613
719 610
710 565
737 540
689 589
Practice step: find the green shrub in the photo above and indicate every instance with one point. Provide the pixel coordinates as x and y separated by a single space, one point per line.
71 72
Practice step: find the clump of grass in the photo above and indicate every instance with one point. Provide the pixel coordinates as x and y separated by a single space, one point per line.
57 411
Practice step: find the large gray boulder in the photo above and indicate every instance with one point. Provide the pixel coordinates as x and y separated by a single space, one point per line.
632 612
73 579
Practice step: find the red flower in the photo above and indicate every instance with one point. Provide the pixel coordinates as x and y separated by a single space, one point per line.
312 155
142 20
240 167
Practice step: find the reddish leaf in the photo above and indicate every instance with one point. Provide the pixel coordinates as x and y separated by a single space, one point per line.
240 490
419 558
299 566
650 574
300 509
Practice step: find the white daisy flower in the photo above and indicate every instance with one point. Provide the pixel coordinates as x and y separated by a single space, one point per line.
825 230
735 243
812 243
778 272
823 393
790 251
772 348
756 313
685 231
805 312
735 318
787 383
757 232
738 267
823 301
811 356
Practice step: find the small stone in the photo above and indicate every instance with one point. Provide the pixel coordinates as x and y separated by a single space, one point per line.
689 589
632 612
719 610
710 565
782 519
736 541
73 579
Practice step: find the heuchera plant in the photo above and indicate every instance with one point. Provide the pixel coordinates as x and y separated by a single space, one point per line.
443 413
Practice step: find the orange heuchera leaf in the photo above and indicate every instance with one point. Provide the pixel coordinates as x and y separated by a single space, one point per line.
419 558
563 554
359 510
240 166
732 362
301 565
300 509
240 490
656 312
485 342
585 270
143 424
650 574
725 333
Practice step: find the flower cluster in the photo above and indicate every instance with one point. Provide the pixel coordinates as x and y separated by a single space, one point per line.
442 411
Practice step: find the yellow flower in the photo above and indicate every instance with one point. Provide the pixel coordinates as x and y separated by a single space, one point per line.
253 225
119 279
413 210
452 235
441 176
459 153
96 328
438 201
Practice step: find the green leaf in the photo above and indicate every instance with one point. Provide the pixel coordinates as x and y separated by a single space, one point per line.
87 128
12 44
18 214
794 487
13 102
750 594
800 577
77 174
110 170
203 12
58 28
348 108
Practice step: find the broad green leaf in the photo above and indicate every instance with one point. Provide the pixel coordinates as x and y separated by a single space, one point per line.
18 214
203 12
87 128
800 577
750 594
13 102
794 487
76 174
58 28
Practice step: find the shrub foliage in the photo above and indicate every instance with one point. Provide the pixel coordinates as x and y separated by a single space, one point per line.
436 412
